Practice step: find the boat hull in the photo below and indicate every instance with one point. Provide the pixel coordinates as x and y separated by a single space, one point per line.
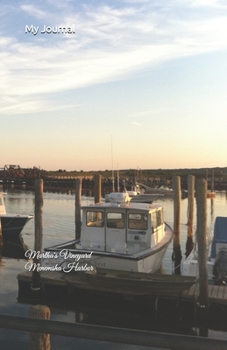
12 225
115 282
150 263
143 284
146 261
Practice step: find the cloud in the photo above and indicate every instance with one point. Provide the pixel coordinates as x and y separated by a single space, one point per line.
206 3
33 11
135 123
150 112
110 43
136 1
24 105
6 41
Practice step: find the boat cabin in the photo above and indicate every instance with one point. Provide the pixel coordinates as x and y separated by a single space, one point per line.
124 228
122 235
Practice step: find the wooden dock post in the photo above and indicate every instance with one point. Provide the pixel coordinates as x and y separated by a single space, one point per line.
38 235
201 199
176 225
98 188
39 341
78 190
212 181
190 222
1 242
1 238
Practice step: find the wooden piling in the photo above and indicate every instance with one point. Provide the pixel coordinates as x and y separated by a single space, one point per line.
39 341
38 234
201 199
1 242
190 222
78 190
176 226
212 181
98 188
1 238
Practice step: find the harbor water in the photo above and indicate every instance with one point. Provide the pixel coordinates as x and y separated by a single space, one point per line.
58 227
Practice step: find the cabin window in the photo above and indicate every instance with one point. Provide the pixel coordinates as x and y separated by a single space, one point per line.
95 219
157 218
2 207
137 221
115 220
154 219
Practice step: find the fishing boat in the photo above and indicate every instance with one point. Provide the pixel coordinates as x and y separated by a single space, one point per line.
136 197
216 252
164 191
12 224
116 235
210 194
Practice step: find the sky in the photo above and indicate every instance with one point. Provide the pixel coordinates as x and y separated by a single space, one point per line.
130 84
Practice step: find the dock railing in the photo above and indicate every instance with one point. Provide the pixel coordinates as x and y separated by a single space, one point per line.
111 334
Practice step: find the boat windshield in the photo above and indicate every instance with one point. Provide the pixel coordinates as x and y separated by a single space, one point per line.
137 221
115 220
95 219
157 218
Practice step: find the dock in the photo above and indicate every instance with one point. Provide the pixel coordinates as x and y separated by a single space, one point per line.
217 294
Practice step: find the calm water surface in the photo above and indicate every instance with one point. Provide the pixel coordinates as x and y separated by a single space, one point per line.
59 226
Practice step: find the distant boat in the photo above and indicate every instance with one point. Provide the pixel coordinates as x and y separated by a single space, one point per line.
210 194
137 194
161 191
12 224
137 197
119 235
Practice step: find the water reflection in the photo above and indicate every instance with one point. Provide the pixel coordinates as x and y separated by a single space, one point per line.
14 247
211 213
157 315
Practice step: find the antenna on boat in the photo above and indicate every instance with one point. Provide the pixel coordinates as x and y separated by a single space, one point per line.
112 164
118 186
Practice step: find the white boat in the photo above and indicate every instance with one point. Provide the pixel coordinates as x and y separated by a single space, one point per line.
136 194
164 191
217 255
118 235
136 197
12 224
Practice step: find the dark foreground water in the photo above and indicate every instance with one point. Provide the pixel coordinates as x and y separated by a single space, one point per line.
58 226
